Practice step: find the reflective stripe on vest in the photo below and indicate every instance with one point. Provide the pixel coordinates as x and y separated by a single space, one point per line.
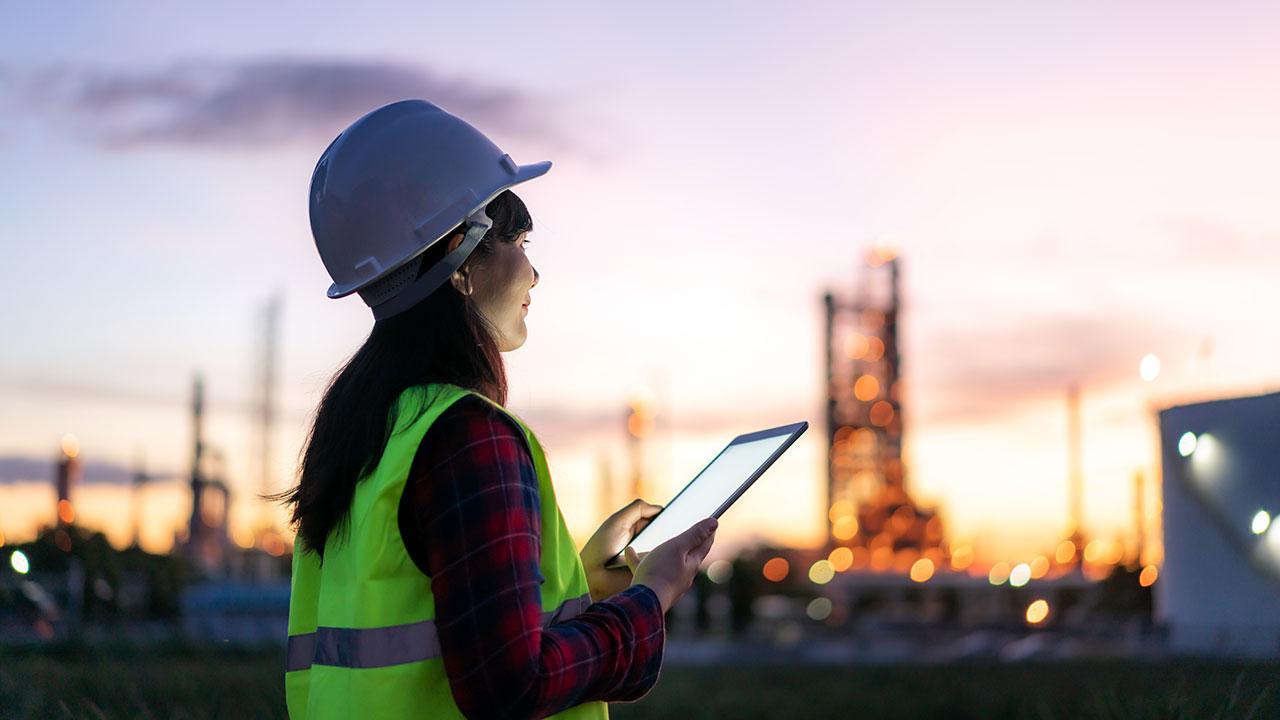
384 646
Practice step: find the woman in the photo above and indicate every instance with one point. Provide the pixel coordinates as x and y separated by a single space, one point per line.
433 574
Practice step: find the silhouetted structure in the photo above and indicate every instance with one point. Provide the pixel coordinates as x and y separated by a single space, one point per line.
869 508
207 544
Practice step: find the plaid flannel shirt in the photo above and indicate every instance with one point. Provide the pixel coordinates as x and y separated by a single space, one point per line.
470 518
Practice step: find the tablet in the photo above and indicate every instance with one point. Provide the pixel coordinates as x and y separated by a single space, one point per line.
713 490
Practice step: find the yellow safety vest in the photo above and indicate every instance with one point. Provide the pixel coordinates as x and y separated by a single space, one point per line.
362 636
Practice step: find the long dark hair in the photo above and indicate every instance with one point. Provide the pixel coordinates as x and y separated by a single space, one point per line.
441 339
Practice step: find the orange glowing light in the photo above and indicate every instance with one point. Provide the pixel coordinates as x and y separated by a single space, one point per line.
999 573
1113 555
1065 553
242 537
1148 576
776 569
858 346
866 388
66 513
881 413
1 539
639 422
961 557
845 528
1037 611
1039 567
882 558
875 349
922 570
839 509
1093 551
840 558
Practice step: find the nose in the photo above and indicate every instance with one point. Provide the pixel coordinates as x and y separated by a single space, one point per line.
535 277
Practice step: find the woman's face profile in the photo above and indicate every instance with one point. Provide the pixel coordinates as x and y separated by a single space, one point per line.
500 285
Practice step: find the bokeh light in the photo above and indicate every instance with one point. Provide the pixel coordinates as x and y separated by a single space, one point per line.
999 573
841 559
821 572
818 609
719 571
1093 551
1148 576
866 388
1065 553
839 509
1037 611
922 570
18 561
1149 367
1261 521
776 569
1187 444
845 527
1019 575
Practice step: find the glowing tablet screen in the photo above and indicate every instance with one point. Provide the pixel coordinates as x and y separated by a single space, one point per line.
711 489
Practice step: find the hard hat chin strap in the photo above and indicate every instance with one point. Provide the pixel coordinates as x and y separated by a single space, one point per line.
478 223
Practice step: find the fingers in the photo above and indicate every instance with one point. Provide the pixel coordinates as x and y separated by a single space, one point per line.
705 536
696 536
630 556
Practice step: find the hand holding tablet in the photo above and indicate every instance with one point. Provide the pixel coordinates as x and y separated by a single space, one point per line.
718 486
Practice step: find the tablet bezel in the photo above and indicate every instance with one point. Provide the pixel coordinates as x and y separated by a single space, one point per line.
793 430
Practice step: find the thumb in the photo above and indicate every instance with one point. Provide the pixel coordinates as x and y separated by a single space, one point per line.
699 533
632 560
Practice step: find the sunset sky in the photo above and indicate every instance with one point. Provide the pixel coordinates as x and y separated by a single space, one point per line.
1069 188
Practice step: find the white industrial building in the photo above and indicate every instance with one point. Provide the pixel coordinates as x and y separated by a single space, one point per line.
1219 589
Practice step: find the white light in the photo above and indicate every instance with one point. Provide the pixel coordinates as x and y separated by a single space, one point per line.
720 571
1260 523
818 609
1187 444
1149 368
19 562
1019 575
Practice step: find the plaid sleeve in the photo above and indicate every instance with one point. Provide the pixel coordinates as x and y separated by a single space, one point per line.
472 522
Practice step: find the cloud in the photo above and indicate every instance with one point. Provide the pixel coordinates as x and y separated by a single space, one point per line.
264 102
23 469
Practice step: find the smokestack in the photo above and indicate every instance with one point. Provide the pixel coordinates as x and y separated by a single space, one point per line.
1075 468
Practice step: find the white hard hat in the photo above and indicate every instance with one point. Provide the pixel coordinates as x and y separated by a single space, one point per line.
393 184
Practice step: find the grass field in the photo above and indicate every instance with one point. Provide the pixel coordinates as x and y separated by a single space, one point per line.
179 684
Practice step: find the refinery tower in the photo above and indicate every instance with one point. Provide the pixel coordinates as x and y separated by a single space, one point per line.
869 508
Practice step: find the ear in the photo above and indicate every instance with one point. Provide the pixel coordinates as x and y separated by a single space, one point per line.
459 278
461 281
